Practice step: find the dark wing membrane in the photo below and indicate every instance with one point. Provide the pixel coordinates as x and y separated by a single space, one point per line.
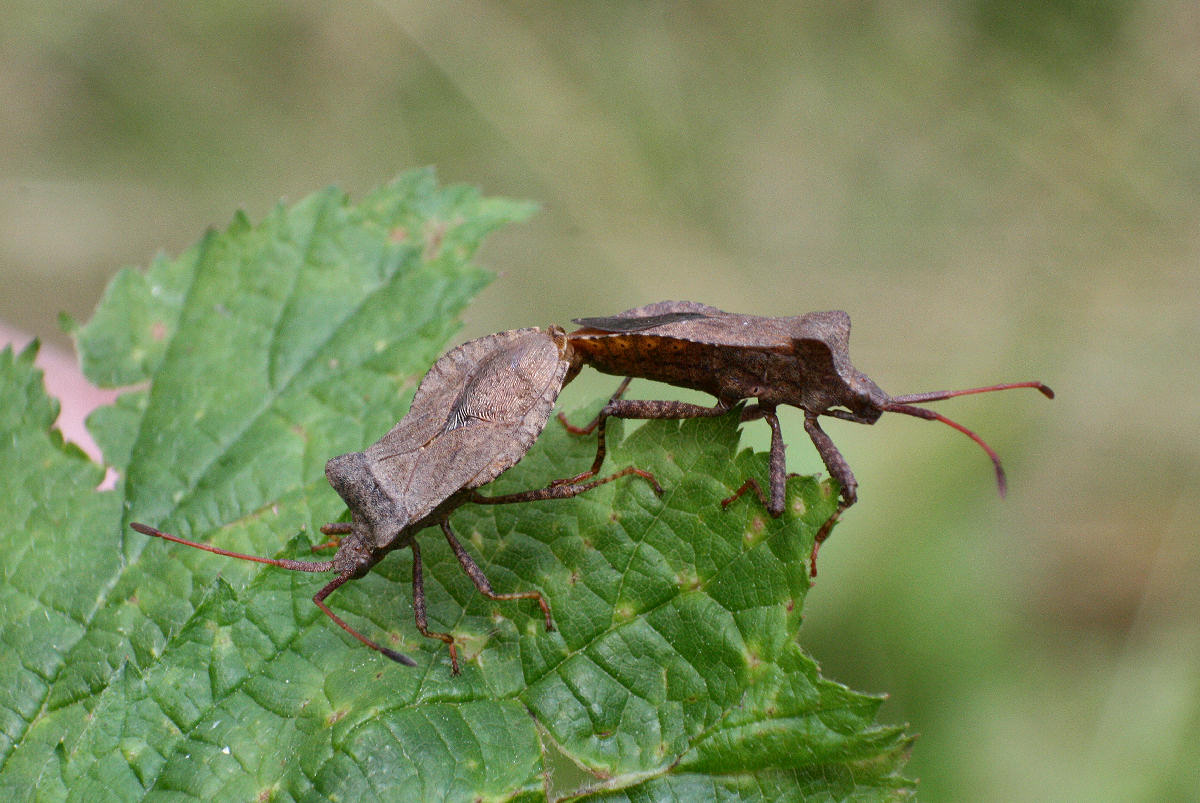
617 323
660 313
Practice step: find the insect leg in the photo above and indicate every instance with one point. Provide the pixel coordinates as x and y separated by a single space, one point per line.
839 469
753 412
589 428
481 582
563 489
652 408
319 599
418 584
778 466
645 409
597 423
335 529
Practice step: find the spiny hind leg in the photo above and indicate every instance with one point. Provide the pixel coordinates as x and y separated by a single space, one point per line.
484 585
643 409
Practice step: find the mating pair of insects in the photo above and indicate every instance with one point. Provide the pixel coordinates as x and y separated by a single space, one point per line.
483 404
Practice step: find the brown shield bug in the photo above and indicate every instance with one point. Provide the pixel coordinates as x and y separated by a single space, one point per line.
475 414
801 360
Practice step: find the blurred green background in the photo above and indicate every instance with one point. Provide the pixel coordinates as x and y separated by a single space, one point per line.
994 192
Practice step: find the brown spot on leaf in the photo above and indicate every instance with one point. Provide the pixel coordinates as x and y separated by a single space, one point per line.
434 233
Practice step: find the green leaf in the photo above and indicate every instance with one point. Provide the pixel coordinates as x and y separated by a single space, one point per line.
134 667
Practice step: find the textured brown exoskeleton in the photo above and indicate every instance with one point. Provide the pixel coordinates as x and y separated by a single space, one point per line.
801 360
475 414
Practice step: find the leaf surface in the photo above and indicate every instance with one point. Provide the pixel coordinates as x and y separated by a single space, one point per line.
137 668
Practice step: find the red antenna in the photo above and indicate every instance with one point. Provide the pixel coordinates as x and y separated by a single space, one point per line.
296 566
904 404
